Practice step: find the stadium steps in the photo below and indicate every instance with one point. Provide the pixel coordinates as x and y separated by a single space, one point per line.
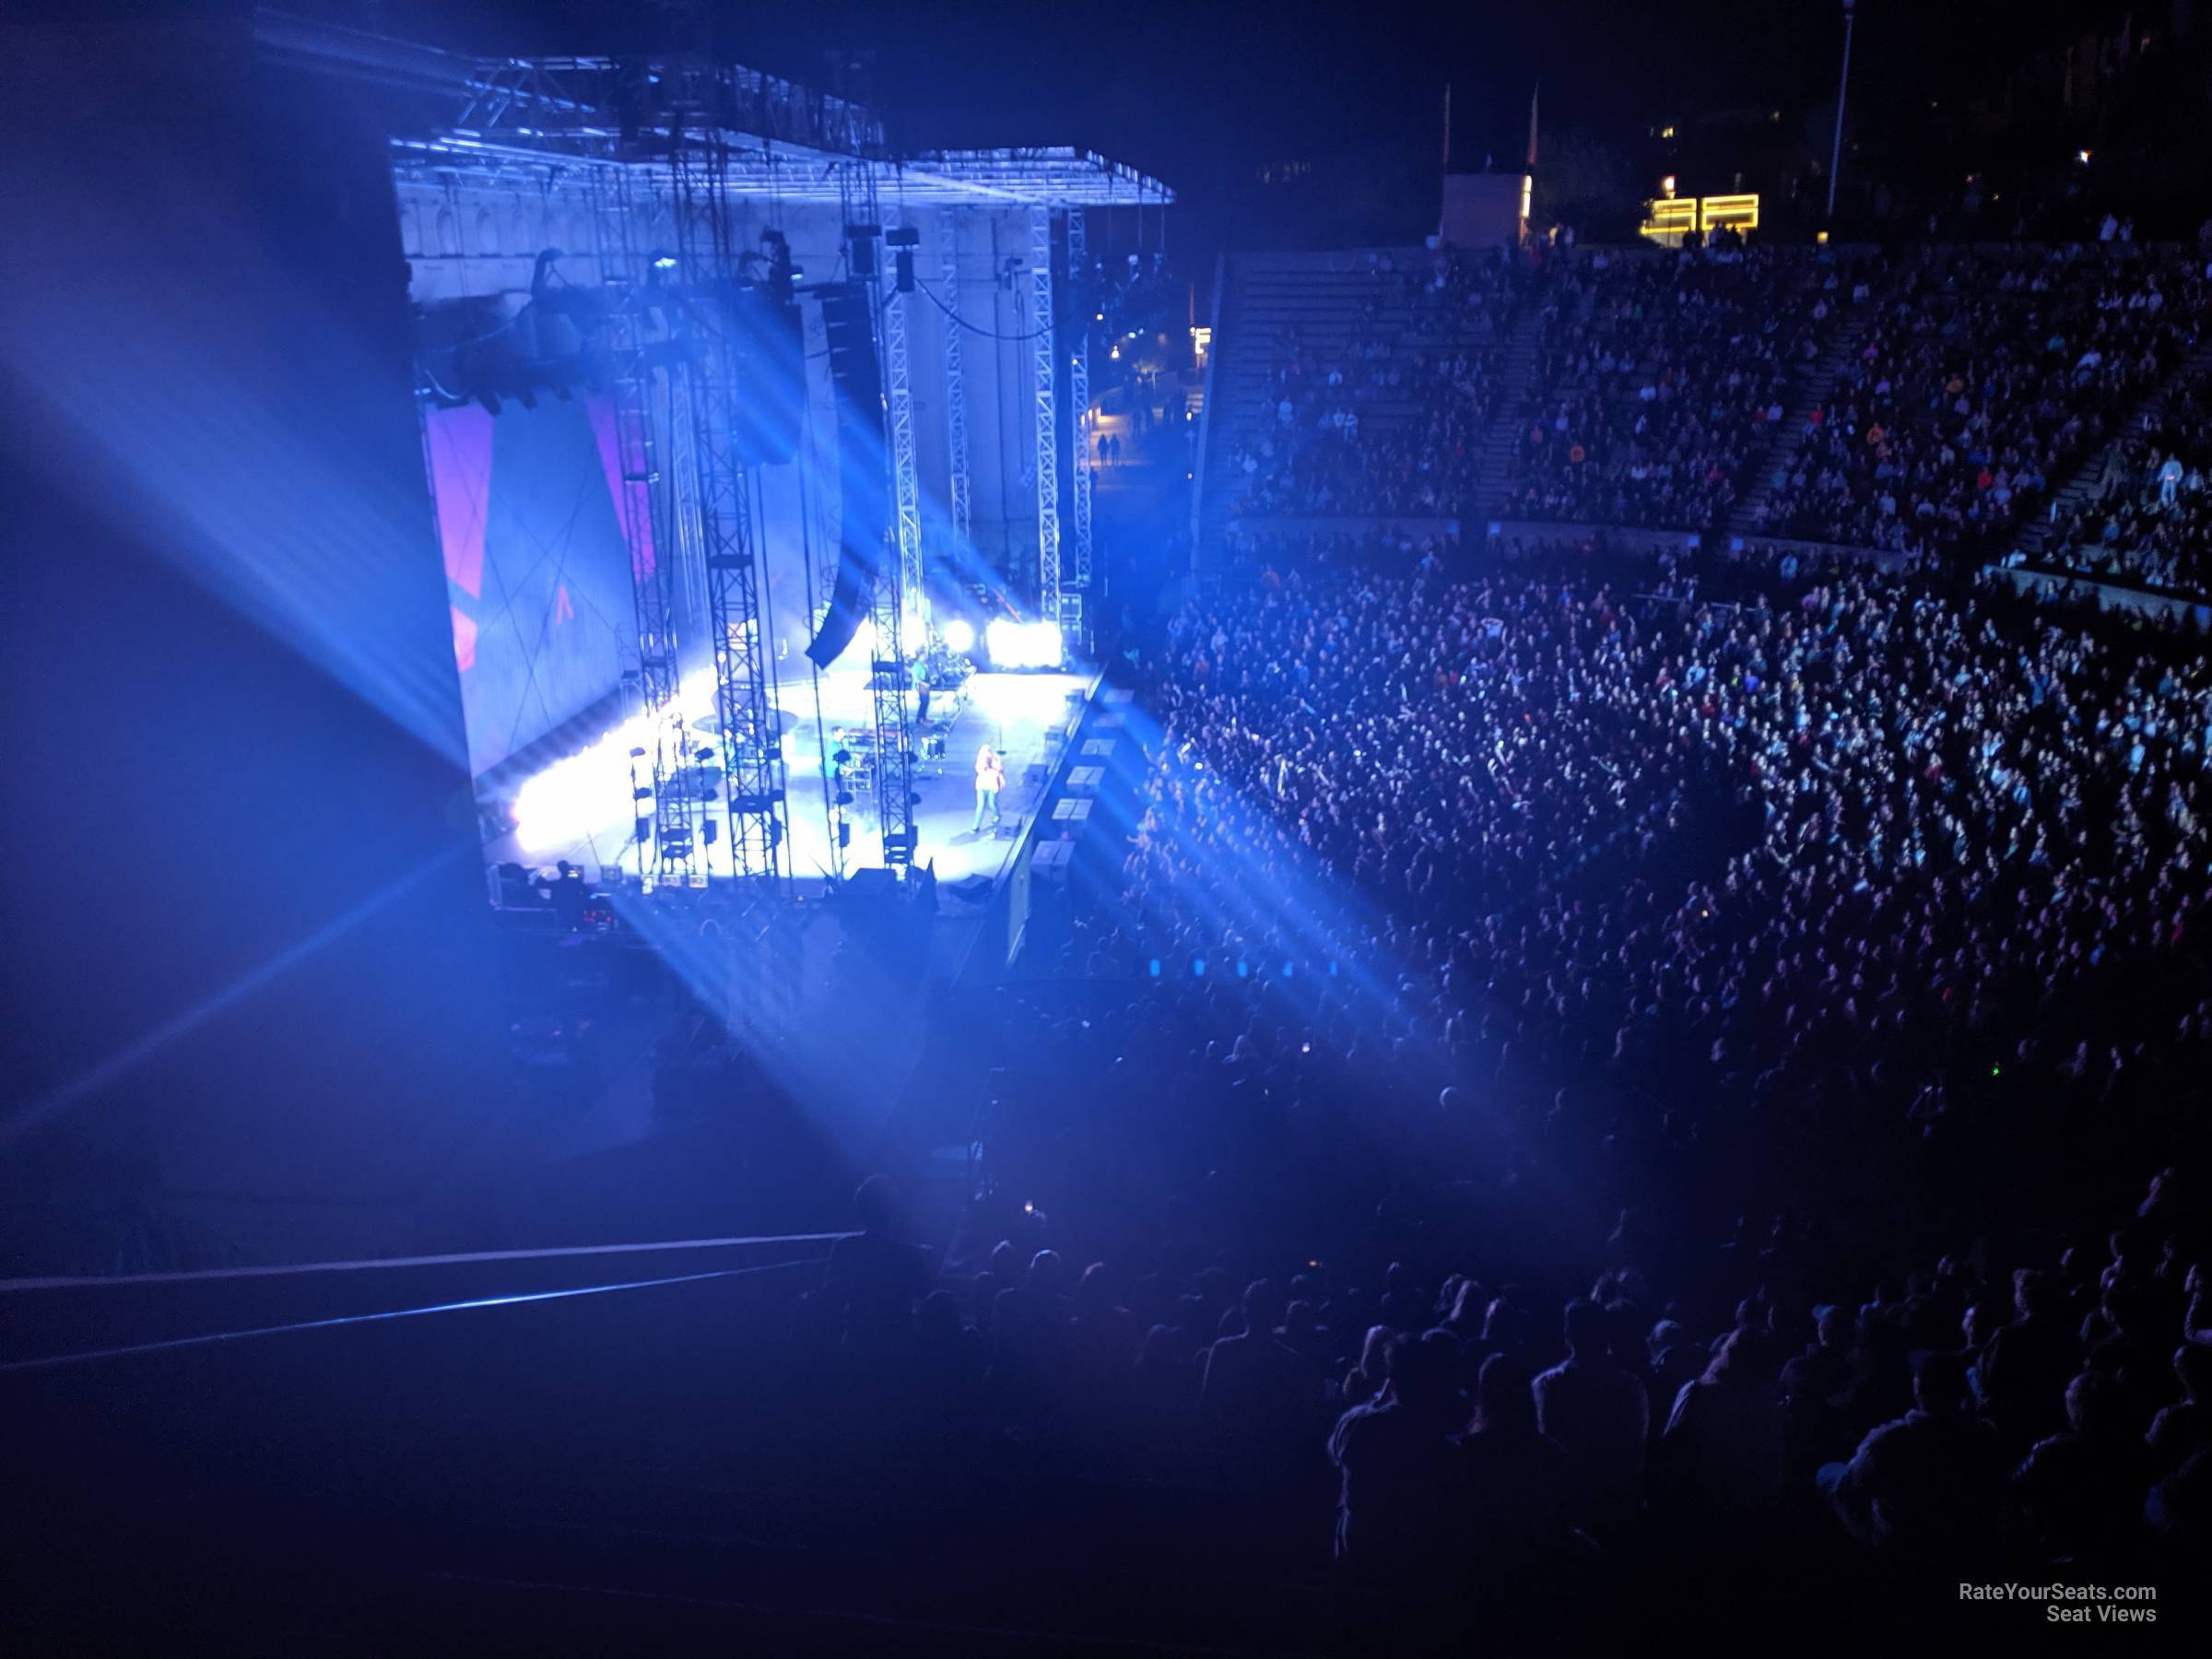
1240 370
2081 489
1319 295
1512 401
1813 390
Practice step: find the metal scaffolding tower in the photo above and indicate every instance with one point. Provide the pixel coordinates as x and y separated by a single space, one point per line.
887 668
1082 290
747 742
661 156
669 843
956 389
906 489
1045 352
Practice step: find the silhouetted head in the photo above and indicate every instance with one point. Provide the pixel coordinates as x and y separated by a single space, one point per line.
2032 1291
1264 1304
1504 1403
1421 1372
1094 1290
1745 1359
2193 1365
2092 1405
1939 1386
1586 1329
1504 1325
877 1204
939 1314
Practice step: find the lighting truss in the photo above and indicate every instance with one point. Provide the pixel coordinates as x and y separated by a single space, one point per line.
956 390
748 740
782 139
670 848
1044 359
1078 397
887 666
906 489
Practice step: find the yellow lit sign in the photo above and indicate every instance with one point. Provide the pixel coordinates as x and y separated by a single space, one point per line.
1737 212
1670 218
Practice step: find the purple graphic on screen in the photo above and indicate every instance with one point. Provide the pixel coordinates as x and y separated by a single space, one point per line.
460 444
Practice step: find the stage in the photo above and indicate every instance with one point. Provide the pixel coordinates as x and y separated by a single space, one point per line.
578 808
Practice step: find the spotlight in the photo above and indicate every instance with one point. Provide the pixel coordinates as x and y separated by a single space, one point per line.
960 635
664 262
1024 644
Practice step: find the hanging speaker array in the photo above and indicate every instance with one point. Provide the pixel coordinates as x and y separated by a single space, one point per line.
864 478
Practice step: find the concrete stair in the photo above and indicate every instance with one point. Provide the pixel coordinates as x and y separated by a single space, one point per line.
1812 390
1322 295
1506 425
2080 487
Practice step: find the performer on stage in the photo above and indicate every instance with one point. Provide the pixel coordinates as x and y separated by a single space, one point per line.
990 778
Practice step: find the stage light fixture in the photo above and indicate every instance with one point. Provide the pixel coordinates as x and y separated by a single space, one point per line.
1024 644
960 635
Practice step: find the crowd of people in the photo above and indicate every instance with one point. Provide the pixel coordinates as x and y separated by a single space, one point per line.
1667 384
1462 1435
1983 377
1568 1058
1659 378
1791 978
1265 552
2149 521
1388 418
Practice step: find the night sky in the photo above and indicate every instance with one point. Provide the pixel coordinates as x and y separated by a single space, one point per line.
1200 91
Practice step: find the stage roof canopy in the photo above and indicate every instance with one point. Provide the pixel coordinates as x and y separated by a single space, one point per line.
511 118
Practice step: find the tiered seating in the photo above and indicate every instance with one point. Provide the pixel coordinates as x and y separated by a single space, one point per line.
1661 378
2148 523
1986 375
1372 389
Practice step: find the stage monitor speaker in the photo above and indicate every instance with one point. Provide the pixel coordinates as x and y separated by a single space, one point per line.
864 502
873 886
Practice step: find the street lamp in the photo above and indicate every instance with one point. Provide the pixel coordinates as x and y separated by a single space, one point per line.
1835 159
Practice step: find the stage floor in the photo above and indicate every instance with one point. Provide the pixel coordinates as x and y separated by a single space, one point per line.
1021 715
